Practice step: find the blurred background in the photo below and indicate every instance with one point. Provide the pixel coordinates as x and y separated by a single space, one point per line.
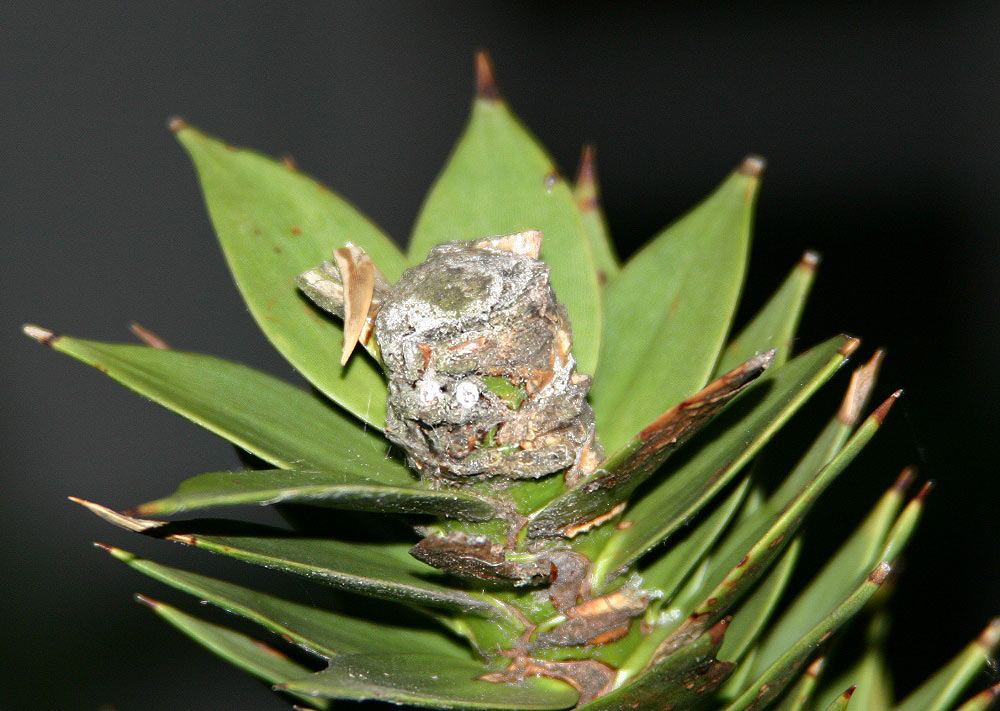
880 130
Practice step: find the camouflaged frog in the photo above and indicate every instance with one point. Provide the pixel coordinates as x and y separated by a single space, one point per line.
477 354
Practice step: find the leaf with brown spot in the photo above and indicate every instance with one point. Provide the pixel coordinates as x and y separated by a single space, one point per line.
619 475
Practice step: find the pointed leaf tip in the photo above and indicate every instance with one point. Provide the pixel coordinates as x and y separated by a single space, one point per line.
486 85
176 123
927 488
850 692
905 478
849 346
752 165
42 335
990 637
147 601
860 387
879 575
882 411
148 337
586 174
810 260
120 520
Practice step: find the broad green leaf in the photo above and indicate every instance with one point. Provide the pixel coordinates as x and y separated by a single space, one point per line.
340 489
868 672
943 688
273 224
267 417
380 570
587 195
983 700
427 681
683 679
775 324
668 571
667 314
725 446
244 652
499 180
778 675
838 576
325 632
621 473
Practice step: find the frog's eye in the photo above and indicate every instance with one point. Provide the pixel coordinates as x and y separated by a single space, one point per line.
428 391
467 394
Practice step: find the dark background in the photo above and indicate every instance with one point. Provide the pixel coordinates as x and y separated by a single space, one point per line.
880 127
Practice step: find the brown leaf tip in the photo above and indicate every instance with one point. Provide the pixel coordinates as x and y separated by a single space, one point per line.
926 489
904 479
882 411
42 335
816 667
850 692
486 84
148 337
176 123
880 573
147 601
849 346
990 637
810 260
752 166
587 172
862 382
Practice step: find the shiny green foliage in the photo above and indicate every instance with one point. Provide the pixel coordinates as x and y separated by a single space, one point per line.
685 536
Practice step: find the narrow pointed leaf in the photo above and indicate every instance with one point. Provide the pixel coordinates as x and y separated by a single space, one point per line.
842 701
269 418
499 180
750 550
983 701
775 324
667 572
324 632
723 449
381 570
664 330
244 652
427 681
275 223
683 679
783 671
618 476
799 696
341 489
856 556
945 686
587 195
868 672
751 617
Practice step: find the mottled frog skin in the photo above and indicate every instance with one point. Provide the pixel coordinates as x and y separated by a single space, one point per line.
481 379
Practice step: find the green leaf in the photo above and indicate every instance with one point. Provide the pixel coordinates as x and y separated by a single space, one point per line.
868 672
587 196
682 679
267 417
273 224
775 324
752 615
839 575
499 180
340 489
667 314
725 446
668 571
942 689
777 676
983 700
621 473
325 632
842 701
802 692
427 681
380 570
244 652
749 551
